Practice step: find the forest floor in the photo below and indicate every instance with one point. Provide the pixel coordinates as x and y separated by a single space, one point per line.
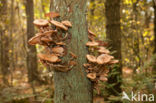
22 92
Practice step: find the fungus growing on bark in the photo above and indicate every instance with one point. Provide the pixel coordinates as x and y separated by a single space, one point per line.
103 78
52 15
91 58
35 40
49 57
91 33
59 25
104 58
67 23
91 76
58 50
92 44
41 22
103 50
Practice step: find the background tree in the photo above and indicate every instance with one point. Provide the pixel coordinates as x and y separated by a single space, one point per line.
73 86
31 52
4 36
113 32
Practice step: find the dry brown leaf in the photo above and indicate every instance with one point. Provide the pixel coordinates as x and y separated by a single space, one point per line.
59 25
91 58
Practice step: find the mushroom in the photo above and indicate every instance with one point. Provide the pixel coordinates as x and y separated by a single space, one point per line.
35 40
45 39
103 78
41 22
59 25
52 15
104 58
58 50
91 58
60 43
103 50
92 44
49 57
91 33
91 76
114 61
67 23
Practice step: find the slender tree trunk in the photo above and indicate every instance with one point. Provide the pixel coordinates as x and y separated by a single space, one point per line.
154 62
113 32
73 86
31 52
4 41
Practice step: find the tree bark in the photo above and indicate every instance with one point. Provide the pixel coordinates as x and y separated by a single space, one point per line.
113 32
73 86
31 52
4 42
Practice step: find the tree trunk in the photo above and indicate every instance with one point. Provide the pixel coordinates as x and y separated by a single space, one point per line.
31 52
73 86
154 62
113 32
4 42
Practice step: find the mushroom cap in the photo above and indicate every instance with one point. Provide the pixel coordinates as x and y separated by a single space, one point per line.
35 40
91 76
114 61
91 58
91 33
45 39
52 15
103 50
103 78
60 43
49 57
59 25
67 23
50 32
92 44
58 50
104 58
40 22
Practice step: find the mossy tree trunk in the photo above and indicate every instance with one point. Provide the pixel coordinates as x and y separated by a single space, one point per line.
113 32
31 52
73 86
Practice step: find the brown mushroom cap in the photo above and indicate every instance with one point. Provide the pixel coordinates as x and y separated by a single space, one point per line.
103 50
103 78
91 58
49 57
60 43
58 50
40 22
59 25
67 23
52 15
50 32
45 39
91 33
114 61
91 76
104 58
92 44
35 40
